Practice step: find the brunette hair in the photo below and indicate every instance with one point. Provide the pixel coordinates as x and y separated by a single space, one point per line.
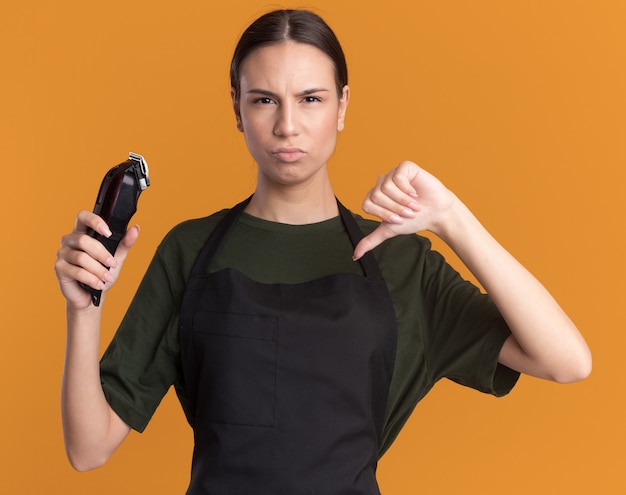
302 26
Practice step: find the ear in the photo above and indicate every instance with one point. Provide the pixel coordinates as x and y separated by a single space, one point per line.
236 109
343 107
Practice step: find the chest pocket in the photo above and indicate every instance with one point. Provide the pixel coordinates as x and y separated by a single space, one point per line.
236 354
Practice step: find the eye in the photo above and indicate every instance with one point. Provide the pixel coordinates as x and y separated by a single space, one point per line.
311 99
264 100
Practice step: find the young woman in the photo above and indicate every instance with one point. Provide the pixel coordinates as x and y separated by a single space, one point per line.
299 336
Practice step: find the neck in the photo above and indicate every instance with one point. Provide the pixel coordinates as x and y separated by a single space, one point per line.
295 205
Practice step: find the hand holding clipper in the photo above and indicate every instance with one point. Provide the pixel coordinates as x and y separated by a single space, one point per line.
117 203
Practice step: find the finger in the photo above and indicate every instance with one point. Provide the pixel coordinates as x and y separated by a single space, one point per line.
91 246
369 242
394 192
388 209
386 214
77 266
87 262
404 176
396 187
87 219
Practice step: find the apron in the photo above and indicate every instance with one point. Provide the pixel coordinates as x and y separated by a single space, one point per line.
286 384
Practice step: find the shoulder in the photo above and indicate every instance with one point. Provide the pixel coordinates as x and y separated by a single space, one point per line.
191 232
195 226
180 247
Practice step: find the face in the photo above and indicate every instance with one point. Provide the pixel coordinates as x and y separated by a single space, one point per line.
289 111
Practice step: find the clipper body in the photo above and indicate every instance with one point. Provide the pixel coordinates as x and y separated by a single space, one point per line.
117 203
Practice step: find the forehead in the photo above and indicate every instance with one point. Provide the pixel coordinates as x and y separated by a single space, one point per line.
288 61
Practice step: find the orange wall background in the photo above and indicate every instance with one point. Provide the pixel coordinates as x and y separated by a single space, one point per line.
518 106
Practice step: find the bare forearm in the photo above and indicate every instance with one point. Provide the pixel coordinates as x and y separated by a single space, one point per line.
92 431
545 341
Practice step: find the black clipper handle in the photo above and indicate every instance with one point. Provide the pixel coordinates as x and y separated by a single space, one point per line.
117 203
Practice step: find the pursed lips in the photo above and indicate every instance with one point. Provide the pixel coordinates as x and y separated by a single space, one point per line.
288 155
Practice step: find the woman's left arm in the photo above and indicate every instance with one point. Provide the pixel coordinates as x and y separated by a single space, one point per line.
544 343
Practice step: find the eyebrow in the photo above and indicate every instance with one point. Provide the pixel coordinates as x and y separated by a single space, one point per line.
266 92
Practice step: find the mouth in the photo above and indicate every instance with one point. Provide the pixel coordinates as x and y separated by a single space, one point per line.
288 155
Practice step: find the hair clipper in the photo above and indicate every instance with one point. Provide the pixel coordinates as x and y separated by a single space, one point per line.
117 203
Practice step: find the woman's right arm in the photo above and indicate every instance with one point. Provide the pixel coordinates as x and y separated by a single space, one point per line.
92 430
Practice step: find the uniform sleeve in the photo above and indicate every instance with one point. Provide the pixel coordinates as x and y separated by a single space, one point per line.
140 363
464 331
143 359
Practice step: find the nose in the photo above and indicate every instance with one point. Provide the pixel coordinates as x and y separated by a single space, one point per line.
286 120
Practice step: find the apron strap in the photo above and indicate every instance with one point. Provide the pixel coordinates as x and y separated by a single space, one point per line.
368 262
